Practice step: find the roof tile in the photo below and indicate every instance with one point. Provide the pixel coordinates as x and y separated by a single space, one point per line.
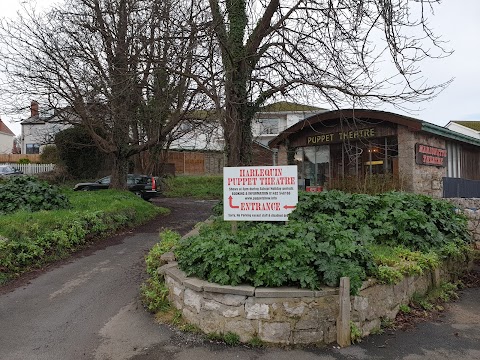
4 129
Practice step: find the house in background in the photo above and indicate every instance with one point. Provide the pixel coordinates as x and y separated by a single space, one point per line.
7 138
273 119
200 134
207 134
465 127
39 129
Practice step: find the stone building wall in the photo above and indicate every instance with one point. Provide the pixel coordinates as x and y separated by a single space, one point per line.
406 158
420 179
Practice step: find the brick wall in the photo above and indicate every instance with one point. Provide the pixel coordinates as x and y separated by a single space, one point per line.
261 156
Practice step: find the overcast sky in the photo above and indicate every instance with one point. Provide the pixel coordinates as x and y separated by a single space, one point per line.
458 22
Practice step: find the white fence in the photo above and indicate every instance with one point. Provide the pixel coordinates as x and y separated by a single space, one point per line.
32 169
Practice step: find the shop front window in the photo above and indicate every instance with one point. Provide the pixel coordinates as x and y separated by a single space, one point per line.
313 165
320 166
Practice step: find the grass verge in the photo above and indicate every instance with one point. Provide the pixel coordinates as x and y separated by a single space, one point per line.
33 239
200 187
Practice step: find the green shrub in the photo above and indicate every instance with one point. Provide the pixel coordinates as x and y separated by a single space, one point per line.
155 295
297 254
24 161
49 155
168 239
29 194
355 333
393 263
78 153
329 235
231 338
417 222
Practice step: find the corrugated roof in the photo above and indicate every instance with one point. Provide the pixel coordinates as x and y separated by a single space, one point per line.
475 125
288 106
4 129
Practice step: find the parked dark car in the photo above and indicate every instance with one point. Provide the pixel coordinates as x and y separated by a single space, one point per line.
7 170
143 186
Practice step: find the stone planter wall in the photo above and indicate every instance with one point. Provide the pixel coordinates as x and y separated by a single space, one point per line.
290 315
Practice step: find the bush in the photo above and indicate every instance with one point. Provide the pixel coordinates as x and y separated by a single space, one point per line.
168 239
417 222
304 254
329 235
24 161
58 176
29 194
78 153
49 155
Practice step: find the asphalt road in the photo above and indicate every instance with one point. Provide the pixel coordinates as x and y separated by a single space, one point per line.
89 308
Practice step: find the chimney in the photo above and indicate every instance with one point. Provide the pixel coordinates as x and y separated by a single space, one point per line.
33 108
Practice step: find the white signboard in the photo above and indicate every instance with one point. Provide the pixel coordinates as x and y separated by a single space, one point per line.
259 193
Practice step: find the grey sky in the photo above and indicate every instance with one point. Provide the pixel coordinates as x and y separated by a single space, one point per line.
458 22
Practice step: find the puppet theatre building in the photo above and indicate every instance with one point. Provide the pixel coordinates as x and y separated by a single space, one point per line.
423 157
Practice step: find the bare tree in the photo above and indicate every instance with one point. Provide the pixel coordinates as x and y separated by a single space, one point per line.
355 52
105 64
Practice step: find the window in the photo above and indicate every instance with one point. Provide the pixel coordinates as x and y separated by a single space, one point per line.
33 148
269 126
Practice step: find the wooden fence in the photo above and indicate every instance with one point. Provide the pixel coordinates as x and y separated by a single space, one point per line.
177 162
15 158
199 163
196 163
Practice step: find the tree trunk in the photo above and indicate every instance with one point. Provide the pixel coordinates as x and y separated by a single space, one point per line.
119 171
238 137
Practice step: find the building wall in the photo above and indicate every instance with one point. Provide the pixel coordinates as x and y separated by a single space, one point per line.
282 157
285 119
421 179
6 143
41 134
261 156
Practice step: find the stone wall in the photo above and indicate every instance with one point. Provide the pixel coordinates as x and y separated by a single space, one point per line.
378 301
288 315
420 179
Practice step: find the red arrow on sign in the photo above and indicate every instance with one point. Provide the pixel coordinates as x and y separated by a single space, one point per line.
230 198
289 207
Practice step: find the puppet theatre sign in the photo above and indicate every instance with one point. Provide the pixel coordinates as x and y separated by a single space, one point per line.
259 193
430 155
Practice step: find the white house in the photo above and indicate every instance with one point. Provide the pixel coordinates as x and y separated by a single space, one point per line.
465 127
272 119
269 122
201 134
39 129
6 139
